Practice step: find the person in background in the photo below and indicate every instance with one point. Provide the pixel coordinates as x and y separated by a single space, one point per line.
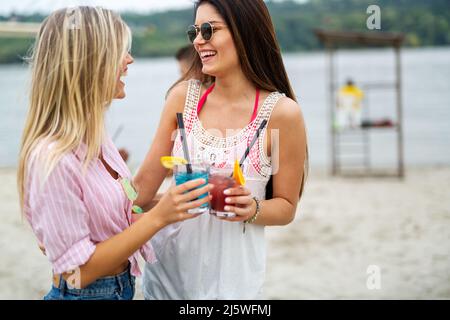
185 57
348 109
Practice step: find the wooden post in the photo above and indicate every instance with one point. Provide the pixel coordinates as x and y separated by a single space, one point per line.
331 40
398 69
334 160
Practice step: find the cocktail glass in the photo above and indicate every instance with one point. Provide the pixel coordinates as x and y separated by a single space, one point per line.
222 180
199 171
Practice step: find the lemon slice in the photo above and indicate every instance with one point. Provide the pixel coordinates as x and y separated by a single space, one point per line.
169 162
237 174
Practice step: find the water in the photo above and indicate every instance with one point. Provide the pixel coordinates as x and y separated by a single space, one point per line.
426 96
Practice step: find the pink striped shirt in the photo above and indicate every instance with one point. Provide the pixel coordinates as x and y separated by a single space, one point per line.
72 212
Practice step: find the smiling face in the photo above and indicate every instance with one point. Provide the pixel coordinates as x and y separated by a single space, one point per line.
120 86
219 54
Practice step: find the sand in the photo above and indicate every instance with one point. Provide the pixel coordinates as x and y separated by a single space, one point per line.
398 230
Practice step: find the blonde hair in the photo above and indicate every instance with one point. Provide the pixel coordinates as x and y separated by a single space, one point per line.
75 62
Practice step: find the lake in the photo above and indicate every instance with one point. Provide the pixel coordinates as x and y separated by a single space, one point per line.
426 96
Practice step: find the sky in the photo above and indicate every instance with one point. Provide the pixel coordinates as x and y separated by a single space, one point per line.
45 6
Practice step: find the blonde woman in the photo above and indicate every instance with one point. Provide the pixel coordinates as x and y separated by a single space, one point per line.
74 186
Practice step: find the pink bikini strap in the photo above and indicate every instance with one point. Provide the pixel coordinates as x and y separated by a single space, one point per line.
255 108
202 101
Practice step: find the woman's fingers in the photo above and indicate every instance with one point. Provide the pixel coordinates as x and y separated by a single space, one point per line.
194 204
240 200
187 186
239 211
239 191
196 193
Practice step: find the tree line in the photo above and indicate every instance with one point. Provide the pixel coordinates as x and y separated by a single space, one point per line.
424 22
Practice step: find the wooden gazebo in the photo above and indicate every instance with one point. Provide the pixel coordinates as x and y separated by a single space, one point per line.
333 40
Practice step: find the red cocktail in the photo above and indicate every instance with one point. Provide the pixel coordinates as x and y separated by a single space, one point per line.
222 180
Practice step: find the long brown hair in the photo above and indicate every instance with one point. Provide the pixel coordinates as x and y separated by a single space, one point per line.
259 54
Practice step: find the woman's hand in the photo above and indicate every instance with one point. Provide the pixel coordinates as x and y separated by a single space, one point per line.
175 203
239 200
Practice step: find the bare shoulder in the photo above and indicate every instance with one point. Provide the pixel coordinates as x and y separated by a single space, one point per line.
285 112
176 97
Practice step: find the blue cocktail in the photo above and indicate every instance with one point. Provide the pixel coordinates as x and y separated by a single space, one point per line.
199 171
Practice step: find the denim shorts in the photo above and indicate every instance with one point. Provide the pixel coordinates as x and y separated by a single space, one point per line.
119 287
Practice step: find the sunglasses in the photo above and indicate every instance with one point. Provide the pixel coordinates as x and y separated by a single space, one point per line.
206 30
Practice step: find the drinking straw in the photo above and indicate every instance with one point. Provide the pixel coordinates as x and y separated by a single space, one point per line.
184 141
249 147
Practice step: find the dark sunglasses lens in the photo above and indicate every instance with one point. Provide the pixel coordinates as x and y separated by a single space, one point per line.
206 30
192 33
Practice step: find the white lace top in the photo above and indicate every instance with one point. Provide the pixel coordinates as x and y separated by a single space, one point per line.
205 257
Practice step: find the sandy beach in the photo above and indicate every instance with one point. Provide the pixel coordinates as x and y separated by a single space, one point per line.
344 227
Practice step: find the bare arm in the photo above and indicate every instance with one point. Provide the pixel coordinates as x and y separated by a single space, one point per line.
112 253
151 173
288 119
291 149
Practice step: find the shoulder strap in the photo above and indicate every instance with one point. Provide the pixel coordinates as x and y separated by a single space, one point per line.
255 107
202 101
257 155
265 112
190 106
